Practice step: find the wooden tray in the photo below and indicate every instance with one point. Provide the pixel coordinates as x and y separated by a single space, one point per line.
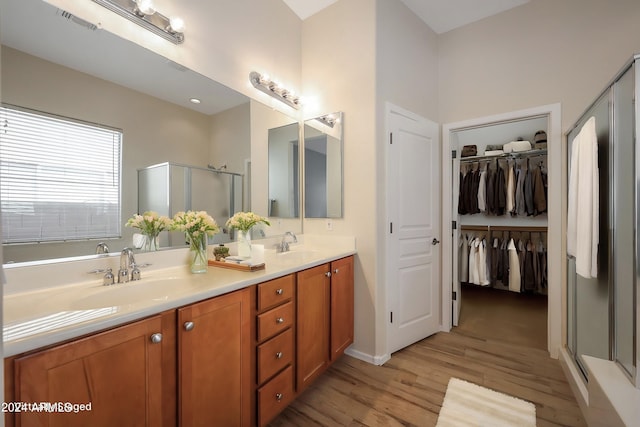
234 266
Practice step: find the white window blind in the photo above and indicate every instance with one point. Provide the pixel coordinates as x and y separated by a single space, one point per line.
59 178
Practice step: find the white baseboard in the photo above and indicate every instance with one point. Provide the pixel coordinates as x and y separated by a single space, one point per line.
365 357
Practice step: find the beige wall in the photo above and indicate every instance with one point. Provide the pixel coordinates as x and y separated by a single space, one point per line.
338 71
544 52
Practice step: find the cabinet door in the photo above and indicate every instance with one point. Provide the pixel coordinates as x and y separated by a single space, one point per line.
214 361
312 324
341 306
118 372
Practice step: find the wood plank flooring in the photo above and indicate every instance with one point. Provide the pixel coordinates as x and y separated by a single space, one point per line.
409 389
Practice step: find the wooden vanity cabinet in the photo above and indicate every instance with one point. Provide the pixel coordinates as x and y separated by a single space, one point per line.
214 361
119 372
275 324
312 324
342 301
324 319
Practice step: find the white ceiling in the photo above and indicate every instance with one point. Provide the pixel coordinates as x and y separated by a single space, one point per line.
440 15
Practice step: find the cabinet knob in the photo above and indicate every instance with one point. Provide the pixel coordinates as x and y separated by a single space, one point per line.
279 291
188 326
328 274
279 396
156 338
279 355
336 271
280 320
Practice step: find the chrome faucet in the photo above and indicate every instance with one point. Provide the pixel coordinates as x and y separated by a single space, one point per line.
283 246
127 261
102 248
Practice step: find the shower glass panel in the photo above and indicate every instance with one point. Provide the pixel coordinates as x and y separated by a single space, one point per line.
624 220
589 302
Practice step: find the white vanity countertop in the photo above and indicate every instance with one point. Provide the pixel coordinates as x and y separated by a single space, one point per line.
36 316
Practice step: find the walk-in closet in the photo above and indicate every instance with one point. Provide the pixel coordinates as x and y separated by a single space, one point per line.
500 203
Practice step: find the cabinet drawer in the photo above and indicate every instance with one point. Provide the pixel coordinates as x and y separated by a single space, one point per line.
274 396
275 321
275 292
274 355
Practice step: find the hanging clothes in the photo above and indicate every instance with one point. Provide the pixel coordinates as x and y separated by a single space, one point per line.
583 217
511 190
482 191
463 258
514 267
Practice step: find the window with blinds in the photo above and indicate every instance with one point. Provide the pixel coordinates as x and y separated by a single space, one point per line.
59 178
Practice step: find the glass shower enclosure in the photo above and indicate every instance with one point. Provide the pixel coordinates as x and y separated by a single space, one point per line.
602 319
168 188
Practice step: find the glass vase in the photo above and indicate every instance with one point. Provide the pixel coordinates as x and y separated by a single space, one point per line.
151 243
244 243
198 254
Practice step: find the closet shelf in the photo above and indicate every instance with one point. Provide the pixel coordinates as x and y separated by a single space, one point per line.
518 155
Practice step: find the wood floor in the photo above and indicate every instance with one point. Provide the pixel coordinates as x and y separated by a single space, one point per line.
409 389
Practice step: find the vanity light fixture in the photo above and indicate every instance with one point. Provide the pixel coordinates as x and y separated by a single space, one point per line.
263 83
143 13
328 120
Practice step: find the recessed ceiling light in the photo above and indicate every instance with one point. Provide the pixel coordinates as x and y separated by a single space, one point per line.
195 100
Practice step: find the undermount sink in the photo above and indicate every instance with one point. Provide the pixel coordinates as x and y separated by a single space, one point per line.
297 254
145 290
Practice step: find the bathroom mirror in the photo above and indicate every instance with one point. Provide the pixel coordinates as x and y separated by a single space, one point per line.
56 64
323 165
284 188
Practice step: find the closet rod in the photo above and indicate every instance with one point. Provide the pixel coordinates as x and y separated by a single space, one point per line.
514 155
489 228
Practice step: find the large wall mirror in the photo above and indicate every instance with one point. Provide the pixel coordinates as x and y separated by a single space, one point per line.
323 193
58 65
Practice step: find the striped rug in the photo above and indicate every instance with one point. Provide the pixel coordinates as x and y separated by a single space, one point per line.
468 404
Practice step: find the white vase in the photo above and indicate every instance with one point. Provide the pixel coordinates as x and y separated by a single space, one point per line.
244 244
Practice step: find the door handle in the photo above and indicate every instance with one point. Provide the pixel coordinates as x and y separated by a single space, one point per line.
435 241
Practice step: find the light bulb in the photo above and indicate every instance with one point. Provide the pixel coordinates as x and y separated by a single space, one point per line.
176 24
145 7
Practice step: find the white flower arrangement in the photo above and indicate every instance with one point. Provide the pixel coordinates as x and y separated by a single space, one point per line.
244 221
195 224
150 223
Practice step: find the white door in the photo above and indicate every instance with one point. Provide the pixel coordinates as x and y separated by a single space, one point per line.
413 212
456 297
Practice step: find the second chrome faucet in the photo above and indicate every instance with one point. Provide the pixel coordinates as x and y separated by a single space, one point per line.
128 268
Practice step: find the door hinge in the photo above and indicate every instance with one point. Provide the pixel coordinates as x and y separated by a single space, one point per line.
454 295
454 225
454 154
391 227
391 138
391 316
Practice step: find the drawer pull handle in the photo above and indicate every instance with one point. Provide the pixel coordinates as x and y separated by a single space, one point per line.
279 355
279 396
280 320
279 291
156 338
336 271
328 274
188 326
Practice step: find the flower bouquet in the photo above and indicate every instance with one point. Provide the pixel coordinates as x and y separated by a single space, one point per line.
197 226
243 222
150 225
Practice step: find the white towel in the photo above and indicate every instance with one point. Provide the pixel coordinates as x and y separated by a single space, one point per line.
583 217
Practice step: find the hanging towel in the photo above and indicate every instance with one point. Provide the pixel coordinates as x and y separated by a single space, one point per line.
583 219
514 267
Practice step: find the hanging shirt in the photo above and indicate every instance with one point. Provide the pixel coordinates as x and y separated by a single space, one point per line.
514 267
